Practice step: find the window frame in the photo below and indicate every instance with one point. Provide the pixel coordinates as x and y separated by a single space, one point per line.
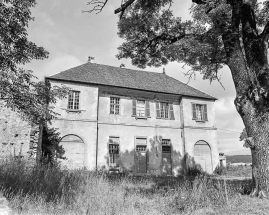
73 100
114 105
204 112
162 112
141 144
146 109
138 116
115 156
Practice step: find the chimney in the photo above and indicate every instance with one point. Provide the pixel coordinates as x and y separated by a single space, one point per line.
163 70
90 59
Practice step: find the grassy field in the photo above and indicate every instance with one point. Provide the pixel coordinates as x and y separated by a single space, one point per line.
55 191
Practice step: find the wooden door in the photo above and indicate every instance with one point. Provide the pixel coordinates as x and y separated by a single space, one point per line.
141 159
166 160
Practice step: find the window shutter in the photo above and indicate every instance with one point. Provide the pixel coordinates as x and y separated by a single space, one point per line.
158 114
147 109
205 113
193 111
134 107
171 110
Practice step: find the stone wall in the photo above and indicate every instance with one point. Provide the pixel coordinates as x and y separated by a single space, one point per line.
14 134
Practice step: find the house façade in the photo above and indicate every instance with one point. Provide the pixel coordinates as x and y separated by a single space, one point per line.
133 121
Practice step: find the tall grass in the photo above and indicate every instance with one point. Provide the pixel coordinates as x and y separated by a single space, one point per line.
46 190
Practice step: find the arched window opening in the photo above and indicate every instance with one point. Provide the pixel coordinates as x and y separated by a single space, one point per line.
202 156
74 149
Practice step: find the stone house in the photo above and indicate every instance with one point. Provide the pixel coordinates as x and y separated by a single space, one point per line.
133 121
14 134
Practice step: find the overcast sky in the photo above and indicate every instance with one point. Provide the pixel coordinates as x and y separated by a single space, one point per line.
71 36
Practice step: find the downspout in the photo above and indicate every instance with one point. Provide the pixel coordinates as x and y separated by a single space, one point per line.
97 131
182 125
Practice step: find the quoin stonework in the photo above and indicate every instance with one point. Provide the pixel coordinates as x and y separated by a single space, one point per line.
133 121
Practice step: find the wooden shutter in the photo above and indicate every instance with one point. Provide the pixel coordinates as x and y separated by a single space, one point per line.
134 107
205 112
158 113
147 109
193 111
171 110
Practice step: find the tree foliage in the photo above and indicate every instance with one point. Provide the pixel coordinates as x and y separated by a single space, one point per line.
234 33
19 88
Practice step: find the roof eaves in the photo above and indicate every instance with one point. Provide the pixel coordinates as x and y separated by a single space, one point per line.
86 82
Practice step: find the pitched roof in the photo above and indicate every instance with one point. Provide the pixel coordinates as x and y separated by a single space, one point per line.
115 76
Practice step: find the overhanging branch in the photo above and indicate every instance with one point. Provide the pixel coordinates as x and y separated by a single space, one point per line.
98 5
123 7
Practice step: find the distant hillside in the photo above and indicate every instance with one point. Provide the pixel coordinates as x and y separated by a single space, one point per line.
239 158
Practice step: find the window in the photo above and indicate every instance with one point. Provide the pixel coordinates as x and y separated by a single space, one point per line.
141 148
164 111
114 151
73 100
141 144
166 145
114 105
199 112
141 108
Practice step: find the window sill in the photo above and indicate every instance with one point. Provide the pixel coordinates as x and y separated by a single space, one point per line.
203 121
73 111
141 117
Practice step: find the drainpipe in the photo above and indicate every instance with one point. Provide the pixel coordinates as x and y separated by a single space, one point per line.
182 123
97 131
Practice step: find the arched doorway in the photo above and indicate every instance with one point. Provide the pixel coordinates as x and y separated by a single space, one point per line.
202 156
74 151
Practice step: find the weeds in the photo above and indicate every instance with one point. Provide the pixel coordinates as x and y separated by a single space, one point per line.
56 191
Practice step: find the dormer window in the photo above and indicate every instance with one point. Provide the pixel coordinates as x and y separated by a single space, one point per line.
73 100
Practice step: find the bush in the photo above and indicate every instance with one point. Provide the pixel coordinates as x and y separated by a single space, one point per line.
220 170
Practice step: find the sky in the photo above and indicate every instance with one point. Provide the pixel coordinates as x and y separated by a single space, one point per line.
70 36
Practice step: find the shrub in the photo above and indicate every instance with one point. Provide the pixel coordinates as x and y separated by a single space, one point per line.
220 170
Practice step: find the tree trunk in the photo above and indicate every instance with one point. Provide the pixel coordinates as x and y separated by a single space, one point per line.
253 112
257 129
39 144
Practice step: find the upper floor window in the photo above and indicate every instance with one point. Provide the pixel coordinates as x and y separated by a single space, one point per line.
141 108
114 105
73 100
164 110
199 112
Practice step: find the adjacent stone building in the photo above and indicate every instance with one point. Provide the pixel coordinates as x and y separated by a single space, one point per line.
134 121
14 134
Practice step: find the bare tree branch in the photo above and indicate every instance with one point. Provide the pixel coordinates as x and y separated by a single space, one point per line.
98 6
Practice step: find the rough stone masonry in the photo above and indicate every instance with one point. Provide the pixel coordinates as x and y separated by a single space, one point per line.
14 134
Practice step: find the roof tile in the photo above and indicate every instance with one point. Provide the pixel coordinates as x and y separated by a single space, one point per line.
121 77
